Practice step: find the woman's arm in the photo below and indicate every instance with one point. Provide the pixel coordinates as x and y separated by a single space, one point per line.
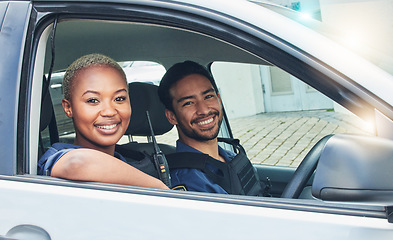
93 165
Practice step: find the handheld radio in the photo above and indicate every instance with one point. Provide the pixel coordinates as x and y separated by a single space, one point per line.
159 158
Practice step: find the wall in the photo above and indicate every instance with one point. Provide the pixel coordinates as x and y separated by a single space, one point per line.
243 97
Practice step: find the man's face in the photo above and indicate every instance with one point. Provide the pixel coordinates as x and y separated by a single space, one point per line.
99 106
197 109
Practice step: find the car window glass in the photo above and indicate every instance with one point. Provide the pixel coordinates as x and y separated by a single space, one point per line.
277 117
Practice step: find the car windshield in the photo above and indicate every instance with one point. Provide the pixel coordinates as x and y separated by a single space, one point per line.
369 37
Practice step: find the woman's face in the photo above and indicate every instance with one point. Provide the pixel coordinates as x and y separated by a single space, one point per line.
99 106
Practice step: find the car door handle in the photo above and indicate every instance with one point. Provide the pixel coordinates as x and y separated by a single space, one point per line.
6 238
26 232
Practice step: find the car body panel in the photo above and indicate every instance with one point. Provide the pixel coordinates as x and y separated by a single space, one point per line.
12 42
119 215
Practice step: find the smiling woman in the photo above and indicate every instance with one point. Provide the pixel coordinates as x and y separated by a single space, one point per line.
262 63
99 106
96 99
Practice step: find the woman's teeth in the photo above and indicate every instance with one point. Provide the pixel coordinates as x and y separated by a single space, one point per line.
107 126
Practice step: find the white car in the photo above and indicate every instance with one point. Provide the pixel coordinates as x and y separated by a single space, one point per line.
262 62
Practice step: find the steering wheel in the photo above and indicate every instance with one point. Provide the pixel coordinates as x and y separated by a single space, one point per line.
304 170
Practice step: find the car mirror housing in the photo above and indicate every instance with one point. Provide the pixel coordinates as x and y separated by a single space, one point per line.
355 169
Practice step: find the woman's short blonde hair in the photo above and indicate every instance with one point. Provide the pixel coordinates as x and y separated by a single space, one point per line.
84 62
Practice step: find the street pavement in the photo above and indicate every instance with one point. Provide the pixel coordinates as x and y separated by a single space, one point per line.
284 139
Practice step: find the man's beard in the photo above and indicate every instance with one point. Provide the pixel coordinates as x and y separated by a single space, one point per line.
192 133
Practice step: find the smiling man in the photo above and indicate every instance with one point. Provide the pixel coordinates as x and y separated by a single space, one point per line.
193 105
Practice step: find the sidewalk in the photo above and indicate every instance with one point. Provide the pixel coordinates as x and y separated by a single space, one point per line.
284 139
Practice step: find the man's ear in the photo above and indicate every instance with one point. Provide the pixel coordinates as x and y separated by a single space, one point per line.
67 107
171 117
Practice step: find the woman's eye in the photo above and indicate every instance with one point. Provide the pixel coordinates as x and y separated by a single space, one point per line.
92 100
120 99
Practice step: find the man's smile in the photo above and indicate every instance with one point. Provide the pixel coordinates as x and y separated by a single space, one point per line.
205 122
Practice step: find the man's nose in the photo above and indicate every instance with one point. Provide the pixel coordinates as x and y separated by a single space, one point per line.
202 108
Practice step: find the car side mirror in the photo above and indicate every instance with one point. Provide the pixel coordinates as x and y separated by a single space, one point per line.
356 169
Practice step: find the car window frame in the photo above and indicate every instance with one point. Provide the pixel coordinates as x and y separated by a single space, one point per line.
45 12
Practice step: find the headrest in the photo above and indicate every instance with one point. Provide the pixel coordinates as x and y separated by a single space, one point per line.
144 97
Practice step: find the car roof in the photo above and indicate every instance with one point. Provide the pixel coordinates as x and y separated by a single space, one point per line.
249 17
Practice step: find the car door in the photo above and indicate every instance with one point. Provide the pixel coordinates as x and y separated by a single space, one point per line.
64 209
14 17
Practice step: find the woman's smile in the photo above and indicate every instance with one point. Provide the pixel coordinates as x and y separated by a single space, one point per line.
107 129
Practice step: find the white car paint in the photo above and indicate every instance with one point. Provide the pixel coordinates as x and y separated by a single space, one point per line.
62 211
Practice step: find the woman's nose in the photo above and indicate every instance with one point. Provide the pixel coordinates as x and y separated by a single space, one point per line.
108 110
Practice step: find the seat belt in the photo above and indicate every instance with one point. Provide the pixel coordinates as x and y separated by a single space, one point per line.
237 176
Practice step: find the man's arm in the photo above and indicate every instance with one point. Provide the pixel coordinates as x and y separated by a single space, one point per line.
93 165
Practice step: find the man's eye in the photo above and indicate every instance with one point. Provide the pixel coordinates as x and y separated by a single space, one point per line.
92 100
209 96
187 104
120 99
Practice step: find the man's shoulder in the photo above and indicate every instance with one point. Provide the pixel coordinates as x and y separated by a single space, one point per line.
226 154
191 179
182 147
229 152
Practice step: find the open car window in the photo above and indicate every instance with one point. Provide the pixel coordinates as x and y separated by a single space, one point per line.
277 117
277 99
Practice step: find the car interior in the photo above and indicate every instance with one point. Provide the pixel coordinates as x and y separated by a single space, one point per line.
167 44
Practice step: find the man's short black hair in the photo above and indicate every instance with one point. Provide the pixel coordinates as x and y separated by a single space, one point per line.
176 73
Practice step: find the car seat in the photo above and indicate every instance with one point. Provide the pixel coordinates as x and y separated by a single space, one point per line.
144 97
47 121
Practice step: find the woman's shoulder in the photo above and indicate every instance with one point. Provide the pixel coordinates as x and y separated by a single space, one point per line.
60 146
52 155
